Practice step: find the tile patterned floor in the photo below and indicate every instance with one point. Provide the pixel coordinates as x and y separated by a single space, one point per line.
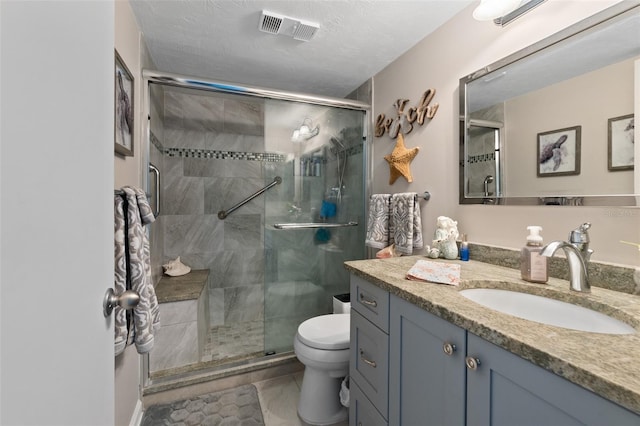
279 400
272 402
237 406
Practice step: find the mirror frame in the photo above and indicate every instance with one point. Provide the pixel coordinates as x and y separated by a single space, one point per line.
620 200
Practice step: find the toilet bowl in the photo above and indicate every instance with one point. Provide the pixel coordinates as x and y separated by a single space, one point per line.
322 345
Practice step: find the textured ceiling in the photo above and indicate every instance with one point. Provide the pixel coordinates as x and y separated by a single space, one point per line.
220 40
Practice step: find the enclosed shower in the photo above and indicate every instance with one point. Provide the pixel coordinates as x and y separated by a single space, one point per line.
261 191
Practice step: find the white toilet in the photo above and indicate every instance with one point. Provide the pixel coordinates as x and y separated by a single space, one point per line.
322 345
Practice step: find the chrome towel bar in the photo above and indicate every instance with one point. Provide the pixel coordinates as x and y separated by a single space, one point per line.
313 225
222 214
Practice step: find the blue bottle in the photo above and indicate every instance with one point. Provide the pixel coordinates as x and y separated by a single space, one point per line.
464 248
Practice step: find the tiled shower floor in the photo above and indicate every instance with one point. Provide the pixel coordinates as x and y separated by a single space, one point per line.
226 344
231 341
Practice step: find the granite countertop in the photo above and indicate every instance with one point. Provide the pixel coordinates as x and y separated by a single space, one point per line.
606 364
184 287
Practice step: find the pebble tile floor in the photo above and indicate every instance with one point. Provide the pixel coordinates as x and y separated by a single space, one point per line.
230 341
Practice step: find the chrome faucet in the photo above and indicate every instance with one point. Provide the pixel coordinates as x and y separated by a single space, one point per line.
578 254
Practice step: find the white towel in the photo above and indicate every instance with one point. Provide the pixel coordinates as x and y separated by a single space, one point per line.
133 271
406 224
378 221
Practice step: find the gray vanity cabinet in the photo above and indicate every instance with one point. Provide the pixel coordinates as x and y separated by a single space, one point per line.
369 355
440 374
506 390
426 368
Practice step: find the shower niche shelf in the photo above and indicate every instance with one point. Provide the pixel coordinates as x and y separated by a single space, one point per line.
310 164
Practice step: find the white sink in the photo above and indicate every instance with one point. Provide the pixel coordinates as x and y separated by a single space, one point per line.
547 311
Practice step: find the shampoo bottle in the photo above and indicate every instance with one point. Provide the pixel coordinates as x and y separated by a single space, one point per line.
533 267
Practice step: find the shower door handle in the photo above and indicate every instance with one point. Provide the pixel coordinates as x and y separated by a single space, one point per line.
153 169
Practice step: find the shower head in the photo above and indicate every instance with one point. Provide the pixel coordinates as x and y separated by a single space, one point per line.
336 145
488 179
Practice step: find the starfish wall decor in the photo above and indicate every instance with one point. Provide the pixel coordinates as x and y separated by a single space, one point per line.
400 160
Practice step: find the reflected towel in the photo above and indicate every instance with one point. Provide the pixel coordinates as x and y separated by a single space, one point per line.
406 224
378 221
133 267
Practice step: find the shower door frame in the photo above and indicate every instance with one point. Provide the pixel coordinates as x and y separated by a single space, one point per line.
177 80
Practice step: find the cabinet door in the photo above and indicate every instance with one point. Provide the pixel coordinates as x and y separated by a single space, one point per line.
426 385
508 390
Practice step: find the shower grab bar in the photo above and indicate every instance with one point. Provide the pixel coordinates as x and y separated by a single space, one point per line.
313 225
222 214
153 169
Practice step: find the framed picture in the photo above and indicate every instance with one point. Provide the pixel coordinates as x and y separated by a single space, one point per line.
559 152
621 143
123 93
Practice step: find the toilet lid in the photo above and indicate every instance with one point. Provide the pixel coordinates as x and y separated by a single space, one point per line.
326 332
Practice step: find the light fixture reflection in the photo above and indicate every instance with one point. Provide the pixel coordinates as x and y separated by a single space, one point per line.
492 9
503 11
305 132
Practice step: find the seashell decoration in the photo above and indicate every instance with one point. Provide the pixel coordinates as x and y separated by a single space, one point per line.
176 268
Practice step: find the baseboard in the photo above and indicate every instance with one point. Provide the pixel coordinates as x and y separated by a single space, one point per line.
136 417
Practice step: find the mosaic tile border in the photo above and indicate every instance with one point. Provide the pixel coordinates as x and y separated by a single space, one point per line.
231 155
481 158
223 155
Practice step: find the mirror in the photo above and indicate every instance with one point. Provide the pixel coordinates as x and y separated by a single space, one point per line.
554 123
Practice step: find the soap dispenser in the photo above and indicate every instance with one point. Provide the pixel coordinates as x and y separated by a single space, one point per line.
533 267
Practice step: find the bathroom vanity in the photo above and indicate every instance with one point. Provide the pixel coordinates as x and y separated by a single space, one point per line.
421 353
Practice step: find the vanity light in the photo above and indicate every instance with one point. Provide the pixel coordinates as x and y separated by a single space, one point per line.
492 9
503 11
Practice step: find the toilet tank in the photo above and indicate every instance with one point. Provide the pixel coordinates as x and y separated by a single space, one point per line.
342 303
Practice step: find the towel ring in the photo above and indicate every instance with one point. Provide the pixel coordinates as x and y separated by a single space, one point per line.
127 300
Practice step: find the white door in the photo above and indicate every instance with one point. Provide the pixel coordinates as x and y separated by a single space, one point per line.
56 226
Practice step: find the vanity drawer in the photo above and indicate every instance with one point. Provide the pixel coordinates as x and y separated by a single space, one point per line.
371 302
369 361
361 410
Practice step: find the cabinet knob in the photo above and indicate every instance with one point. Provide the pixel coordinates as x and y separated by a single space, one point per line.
449 348
472 363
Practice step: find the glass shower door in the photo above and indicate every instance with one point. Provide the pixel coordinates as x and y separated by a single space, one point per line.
314 221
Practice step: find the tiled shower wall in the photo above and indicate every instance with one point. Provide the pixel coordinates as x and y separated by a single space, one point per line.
481 155
208 165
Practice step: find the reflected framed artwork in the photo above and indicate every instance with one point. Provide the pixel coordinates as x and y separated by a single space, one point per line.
621 143
123 97
559 152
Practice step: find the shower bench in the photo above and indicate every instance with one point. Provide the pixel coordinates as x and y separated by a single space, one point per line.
184 320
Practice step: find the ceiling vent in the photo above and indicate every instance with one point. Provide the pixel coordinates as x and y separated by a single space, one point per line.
274 23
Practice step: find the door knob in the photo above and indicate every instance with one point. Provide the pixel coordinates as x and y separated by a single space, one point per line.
127 300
